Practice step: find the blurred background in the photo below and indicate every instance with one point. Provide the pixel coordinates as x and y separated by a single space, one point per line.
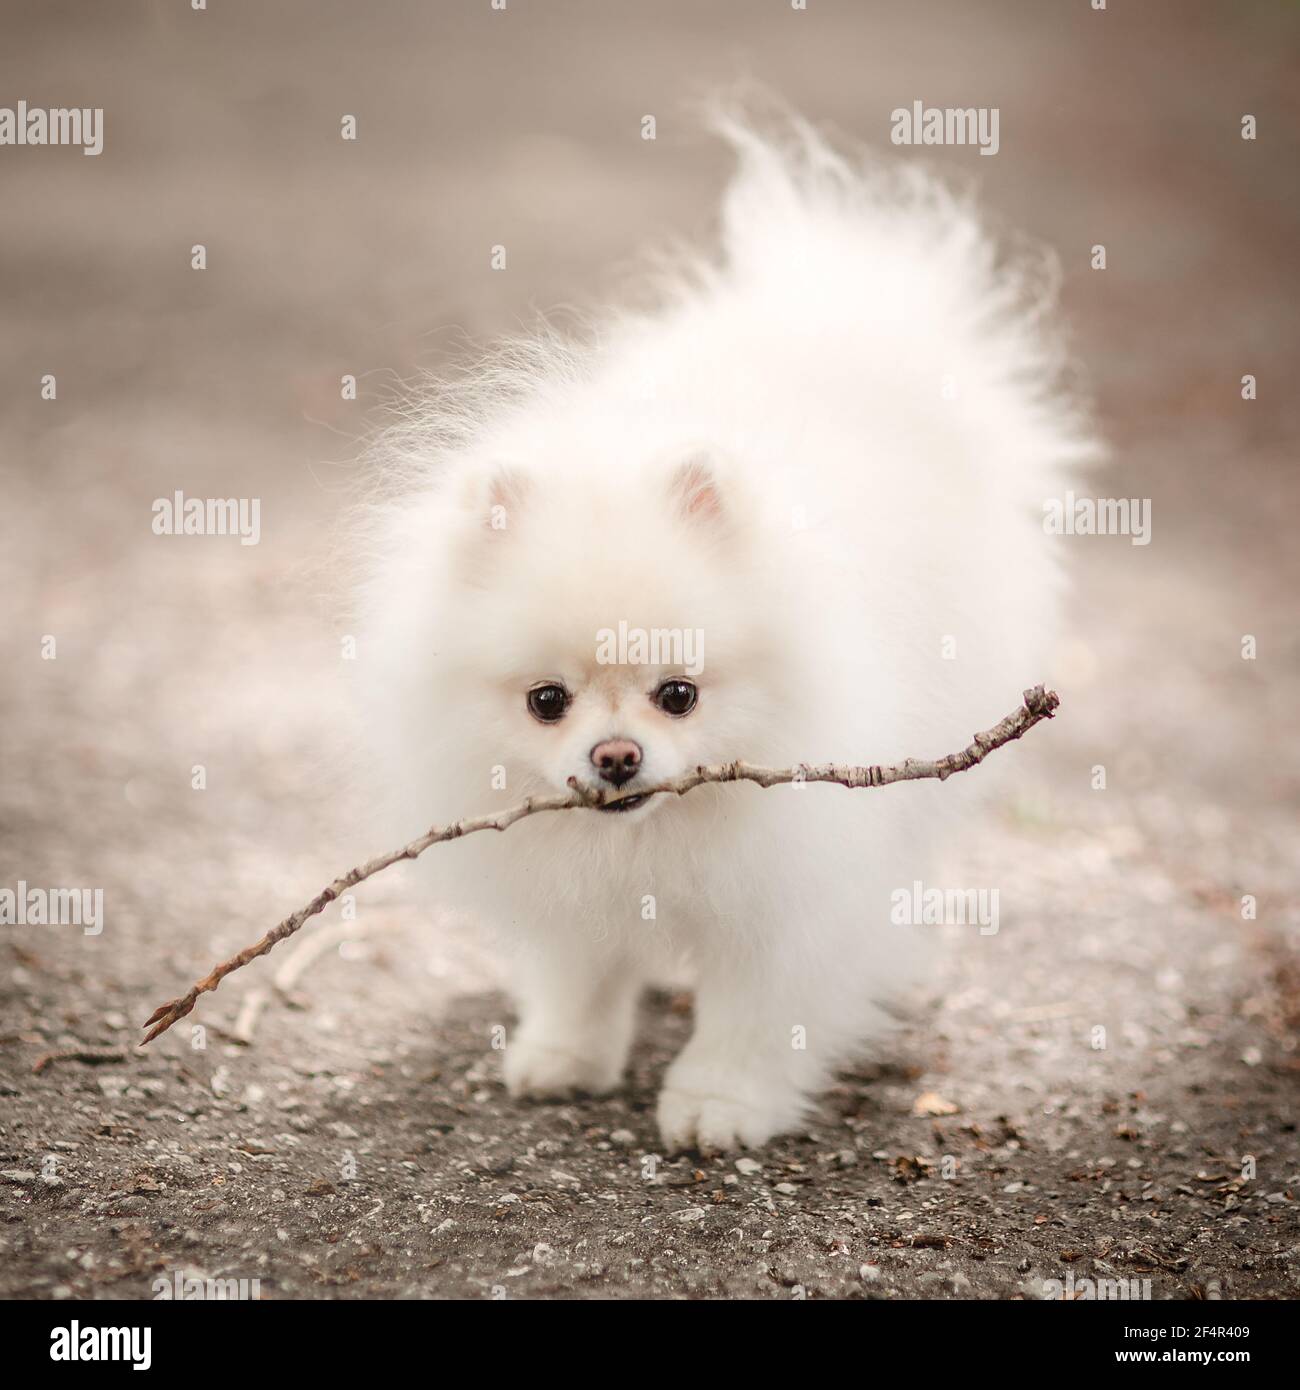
327 257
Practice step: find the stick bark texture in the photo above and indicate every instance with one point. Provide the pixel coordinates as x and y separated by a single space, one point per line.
1038 704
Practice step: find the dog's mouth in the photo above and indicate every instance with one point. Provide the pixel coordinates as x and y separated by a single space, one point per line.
625 803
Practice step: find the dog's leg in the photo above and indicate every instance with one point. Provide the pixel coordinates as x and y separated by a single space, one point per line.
577 1007
759 1051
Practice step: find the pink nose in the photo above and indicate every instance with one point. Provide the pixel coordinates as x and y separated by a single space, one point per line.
617 760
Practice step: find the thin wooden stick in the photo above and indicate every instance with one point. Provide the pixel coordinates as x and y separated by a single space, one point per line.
1039 704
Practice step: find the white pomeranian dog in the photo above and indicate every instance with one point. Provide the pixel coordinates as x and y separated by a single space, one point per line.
793 515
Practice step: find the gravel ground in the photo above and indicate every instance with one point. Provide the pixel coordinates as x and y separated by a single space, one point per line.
1106 1088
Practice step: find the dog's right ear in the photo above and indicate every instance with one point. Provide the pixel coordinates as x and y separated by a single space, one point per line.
495 499
493 502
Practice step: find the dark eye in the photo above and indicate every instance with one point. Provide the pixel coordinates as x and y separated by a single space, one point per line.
548 702
676 697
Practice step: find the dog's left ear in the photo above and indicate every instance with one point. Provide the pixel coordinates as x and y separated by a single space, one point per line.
697 495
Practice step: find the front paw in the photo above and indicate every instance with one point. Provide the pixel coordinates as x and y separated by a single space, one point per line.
722 1116
540 1072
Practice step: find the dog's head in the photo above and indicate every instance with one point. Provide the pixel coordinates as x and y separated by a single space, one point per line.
612 625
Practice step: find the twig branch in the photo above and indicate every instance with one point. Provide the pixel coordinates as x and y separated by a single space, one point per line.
1039 704
91 1056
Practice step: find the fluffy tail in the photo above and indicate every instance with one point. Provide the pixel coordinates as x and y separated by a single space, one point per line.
876 246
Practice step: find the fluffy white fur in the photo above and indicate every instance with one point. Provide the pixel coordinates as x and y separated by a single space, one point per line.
829 452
